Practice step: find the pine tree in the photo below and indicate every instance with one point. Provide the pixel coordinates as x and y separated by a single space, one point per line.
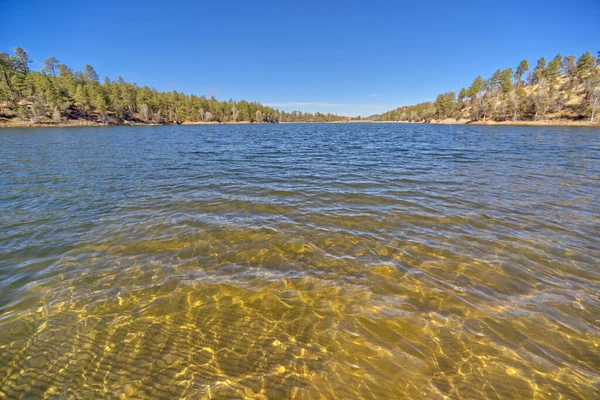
476 87
506 80
22 60
521 69
90 74
445 104
585 64
50 65
494 81
553 70
539 71
462 95
7 92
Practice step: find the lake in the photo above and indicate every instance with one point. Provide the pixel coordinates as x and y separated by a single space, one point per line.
302 261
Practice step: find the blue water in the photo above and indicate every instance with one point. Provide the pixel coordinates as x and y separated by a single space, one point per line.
300 261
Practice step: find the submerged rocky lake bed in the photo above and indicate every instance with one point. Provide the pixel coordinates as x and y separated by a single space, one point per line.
300 261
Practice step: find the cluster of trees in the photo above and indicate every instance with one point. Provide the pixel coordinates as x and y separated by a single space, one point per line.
59 93
566 88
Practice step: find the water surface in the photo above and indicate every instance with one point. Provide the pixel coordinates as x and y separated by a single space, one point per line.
300 261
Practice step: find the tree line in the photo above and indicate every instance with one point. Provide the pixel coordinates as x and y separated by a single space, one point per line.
59 93
564 88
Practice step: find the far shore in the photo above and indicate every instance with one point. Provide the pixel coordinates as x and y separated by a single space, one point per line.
14 123
17 123
549 122
562 122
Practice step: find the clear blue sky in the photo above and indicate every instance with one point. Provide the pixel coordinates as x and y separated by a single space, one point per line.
347 57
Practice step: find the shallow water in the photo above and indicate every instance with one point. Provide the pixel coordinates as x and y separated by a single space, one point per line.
300 261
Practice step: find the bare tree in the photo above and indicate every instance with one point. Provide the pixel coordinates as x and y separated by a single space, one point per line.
568 66
145 111
541 99
513 99
38 110
592 84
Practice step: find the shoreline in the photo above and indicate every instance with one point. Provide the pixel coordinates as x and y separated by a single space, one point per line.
87 123
595 124
566 122
64 124
561 122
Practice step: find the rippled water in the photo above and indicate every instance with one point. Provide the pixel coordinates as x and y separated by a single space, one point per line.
300 261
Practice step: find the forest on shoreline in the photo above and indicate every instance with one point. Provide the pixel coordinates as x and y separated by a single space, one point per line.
59 95
564 89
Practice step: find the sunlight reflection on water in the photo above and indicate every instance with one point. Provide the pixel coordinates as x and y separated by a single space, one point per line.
300 261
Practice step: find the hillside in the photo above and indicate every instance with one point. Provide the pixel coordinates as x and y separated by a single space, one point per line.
566 89
58 95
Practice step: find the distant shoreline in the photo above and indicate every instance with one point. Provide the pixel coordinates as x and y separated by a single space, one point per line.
87 123
18 123
563 122
492 123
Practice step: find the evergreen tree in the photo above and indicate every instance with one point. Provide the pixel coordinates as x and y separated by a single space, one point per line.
50 65
521 70
553 70
7 69
445 105
494 81
90 74
22 61
505 80
539 71
585 64
476 87
462 95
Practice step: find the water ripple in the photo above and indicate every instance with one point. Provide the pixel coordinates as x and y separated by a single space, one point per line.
300 261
